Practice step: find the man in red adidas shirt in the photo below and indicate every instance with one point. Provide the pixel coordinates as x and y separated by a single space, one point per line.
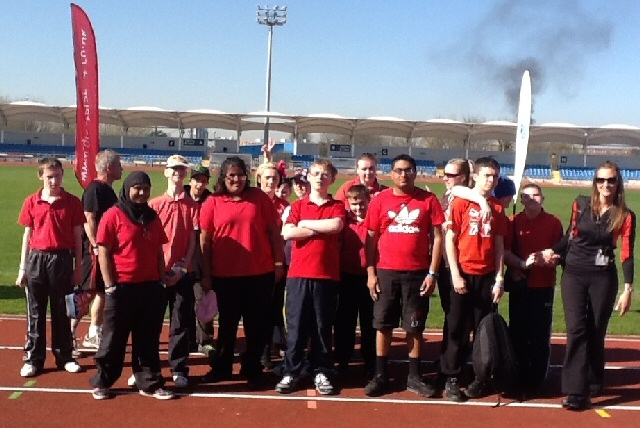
401 272
475 252
366 168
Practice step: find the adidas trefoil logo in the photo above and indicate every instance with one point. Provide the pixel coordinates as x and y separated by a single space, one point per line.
404 221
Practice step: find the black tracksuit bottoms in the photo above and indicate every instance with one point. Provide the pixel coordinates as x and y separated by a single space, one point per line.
249 298
50 277
181 302
136 308
354 302
588 299
310 311
530 322
465 309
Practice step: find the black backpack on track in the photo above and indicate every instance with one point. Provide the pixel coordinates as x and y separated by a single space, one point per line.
494 360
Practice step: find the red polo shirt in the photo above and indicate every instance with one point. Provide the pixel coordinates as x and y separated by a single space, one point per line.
241 244
535 234
341 194
352 255
134 247
52 224
317 257
474 238
179 218
403 223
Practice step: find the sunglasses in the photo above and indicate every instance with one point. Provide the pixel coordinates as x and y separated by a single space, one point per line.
451 175
609 180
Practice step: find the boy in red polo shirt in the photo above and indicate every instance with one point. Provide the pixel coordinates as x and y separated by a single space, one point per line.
354 301
531 307
475 252
178 214
53 221
401 271
314 226
366 170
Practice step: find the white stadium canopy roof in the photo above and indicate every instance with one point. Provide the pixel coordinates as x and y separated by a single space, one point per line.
148 117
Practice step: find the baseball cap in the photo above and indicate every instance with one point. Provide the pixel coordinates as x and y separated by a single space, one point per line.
505 187
200 170
177 160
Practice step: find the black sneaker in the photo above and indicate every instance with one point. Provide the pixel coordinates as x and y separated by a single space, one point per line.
576 402
213 376
477 389
452 391
416 385
377 386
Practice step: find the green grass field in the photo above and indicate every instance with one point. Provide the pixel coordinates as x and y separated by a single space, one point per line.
17 182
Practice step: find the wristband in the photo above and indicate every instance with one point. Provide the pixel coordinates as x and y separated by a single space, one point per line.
522 264
630 289
433 275
22 269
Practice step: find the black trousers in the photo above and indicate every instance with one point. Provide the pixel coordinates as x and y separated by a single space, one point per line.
249 298
276 318
310 311
201 333
181 302
137 309
444 290
530 323
354 302
588 301
465 309
50 278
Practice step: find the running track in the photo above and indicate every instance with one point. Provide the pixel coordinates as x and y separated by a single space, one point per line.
57 398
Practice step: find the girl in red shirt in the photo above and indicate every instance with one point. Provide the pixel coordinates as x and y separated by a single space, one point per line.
242 258
131 259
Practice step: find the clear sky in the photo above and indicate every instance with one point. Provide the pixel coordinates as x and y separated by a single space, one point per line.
416 60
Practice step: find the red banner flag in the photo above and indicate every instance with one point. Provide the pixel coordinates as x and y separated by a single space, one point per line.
87 116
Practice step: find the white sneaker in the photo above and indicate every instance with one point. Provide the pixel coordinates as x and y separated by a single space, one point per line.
132 380
323 385
72 367
180 380
28 370
101 393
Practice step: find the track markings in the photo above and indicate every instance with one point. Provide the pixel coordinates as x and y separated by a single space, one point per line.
312 404
603 413
17 394
305 397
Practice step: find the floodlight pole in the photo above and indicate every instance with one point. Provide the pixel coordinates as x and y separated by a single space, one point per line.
270 17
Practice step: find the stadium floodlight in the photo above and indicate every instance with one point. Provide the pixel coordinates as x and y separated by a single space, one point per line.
271 18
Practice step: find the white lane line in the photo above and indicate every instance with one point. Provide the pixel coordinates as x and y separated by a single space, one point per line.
395 361
325 398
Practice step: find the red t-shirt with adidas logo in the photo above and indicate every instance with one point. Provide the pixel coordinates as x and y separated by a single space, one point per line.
403 223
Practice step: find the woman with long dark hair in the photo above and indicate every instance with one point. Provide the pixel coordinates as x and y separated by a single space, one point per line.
242 258
590 280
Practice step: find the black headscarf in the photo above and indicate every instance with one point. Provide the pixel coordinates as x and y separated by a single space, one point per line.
138 213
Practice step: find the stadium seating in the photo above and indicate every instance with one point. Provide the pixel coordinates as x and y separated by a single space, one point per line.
577 173
129 155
